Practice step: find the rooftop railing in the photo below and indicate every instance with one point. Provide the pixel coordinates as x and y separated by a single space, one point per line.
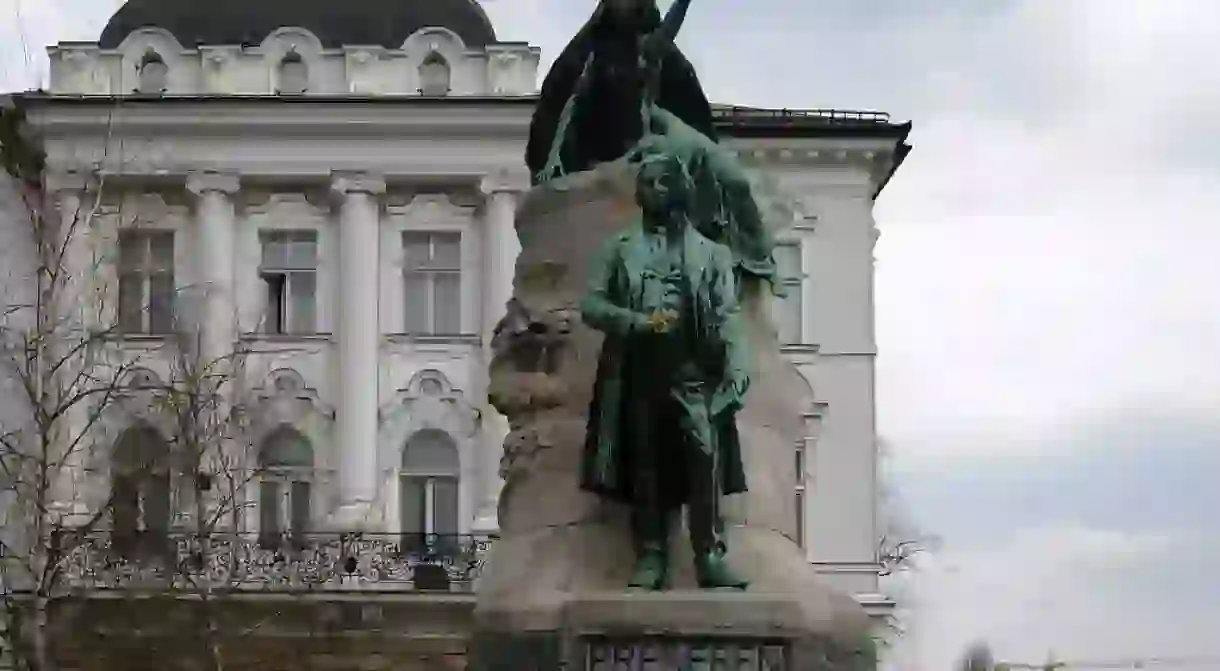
729 112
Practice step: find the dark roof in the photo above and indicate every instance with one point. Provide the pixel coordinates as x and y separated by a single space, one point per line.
336 22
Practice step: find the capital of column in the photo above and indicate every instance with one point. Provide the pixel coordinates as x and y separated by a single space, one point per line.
200 183
346 183
505 180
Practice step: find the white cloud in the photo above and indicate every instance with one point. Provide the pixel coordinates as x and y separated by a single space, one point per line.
1077 591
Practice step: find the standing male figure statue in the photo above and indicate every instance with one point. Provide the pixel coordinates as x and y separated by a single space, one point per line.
671 376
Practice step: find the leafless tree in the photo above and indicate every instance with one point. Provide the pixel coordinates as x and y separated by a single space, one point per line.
58 372
899 545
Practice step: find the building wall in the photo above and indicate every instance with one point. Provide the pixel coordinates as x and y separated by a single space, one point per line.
442 167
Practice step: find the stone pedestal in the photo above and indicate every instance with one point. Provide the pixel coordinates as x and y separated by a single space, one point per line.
552 593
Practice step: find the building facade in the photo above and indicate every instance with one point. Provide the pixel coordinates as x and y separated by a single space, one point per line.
330 193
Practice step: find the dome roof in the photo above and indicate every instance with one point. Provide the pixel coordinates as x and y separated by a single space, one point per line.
336 22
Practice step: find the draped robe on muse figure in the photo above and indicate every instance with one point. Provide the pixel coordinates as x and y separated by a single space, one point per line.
614 305
606 120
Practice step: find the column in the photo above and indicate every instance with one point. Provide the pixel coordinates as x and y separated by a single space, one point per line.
215 237
66 324
500 248
359 336
502 191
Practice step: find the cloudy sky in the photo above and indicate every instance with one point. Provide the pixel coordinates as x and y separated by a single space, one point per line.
1048 293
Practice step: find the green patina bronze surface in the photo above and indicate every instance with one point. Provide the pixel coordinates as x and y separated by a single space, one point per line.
672 374
722 202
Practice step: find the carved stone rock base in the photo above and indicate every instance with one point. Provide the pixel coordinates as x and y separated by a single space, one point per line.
558 571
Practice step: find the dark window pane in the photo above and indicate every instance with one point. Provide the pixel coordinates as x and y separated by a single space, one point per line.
125 508
416 250
800 518
275 249
161 303
300 513
162 245
274 320
131 251
415 303
286 448
157 507
430 452
412 502
447 303
446 251
303 290
302 251
269 512
445 506
131 303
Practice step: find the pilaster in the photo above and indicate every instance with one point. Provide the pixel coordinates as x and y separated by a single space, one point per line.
66 324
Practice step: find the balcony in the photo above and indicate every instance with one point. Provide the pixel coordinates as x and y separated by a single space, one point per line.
365 562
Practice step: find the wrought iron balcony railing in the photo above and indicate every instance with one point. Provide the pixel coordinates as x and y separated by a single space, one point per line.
250 562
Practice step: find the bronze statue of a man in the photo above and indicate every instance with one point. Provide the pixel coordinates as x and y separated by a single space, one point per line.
671 376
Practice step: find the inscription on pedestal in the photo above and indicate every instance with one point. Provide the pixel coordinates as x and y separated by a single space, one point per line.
685 654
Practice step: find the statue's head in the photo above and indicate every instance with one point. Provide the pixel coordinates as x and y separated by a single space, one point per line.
663 183
642 13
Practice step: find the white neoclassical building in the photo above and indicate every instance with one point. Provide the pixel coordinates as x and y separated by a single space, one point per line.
331 187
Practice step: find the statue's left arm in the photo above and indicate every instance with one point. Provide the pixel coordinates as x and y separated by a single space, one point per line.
730 332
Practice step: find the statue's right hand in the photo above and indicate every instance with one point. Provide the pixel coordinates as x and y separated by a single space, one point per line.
660 321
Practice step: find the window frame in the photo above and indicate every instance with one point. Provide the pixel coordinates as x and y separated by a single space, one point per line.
151 57
438 60
292 58
796 281
284 479
145 270
285 320
429 272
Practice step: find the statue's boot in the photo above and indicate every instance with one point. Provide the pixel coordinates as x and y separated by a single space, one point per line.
712 572
651 572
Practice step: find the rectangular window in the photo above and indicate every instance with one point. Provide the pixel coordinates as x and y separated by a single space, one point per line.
432 283
289 270
146 282
284 509
787 312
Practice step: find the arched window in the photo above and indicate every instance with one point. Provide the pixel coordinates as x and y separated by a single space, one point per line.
428 492
154 74
434 75
140 495
285 487
293 75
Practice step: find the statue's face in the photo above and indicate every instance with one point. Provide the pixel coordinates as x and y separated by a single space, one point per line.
657 186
